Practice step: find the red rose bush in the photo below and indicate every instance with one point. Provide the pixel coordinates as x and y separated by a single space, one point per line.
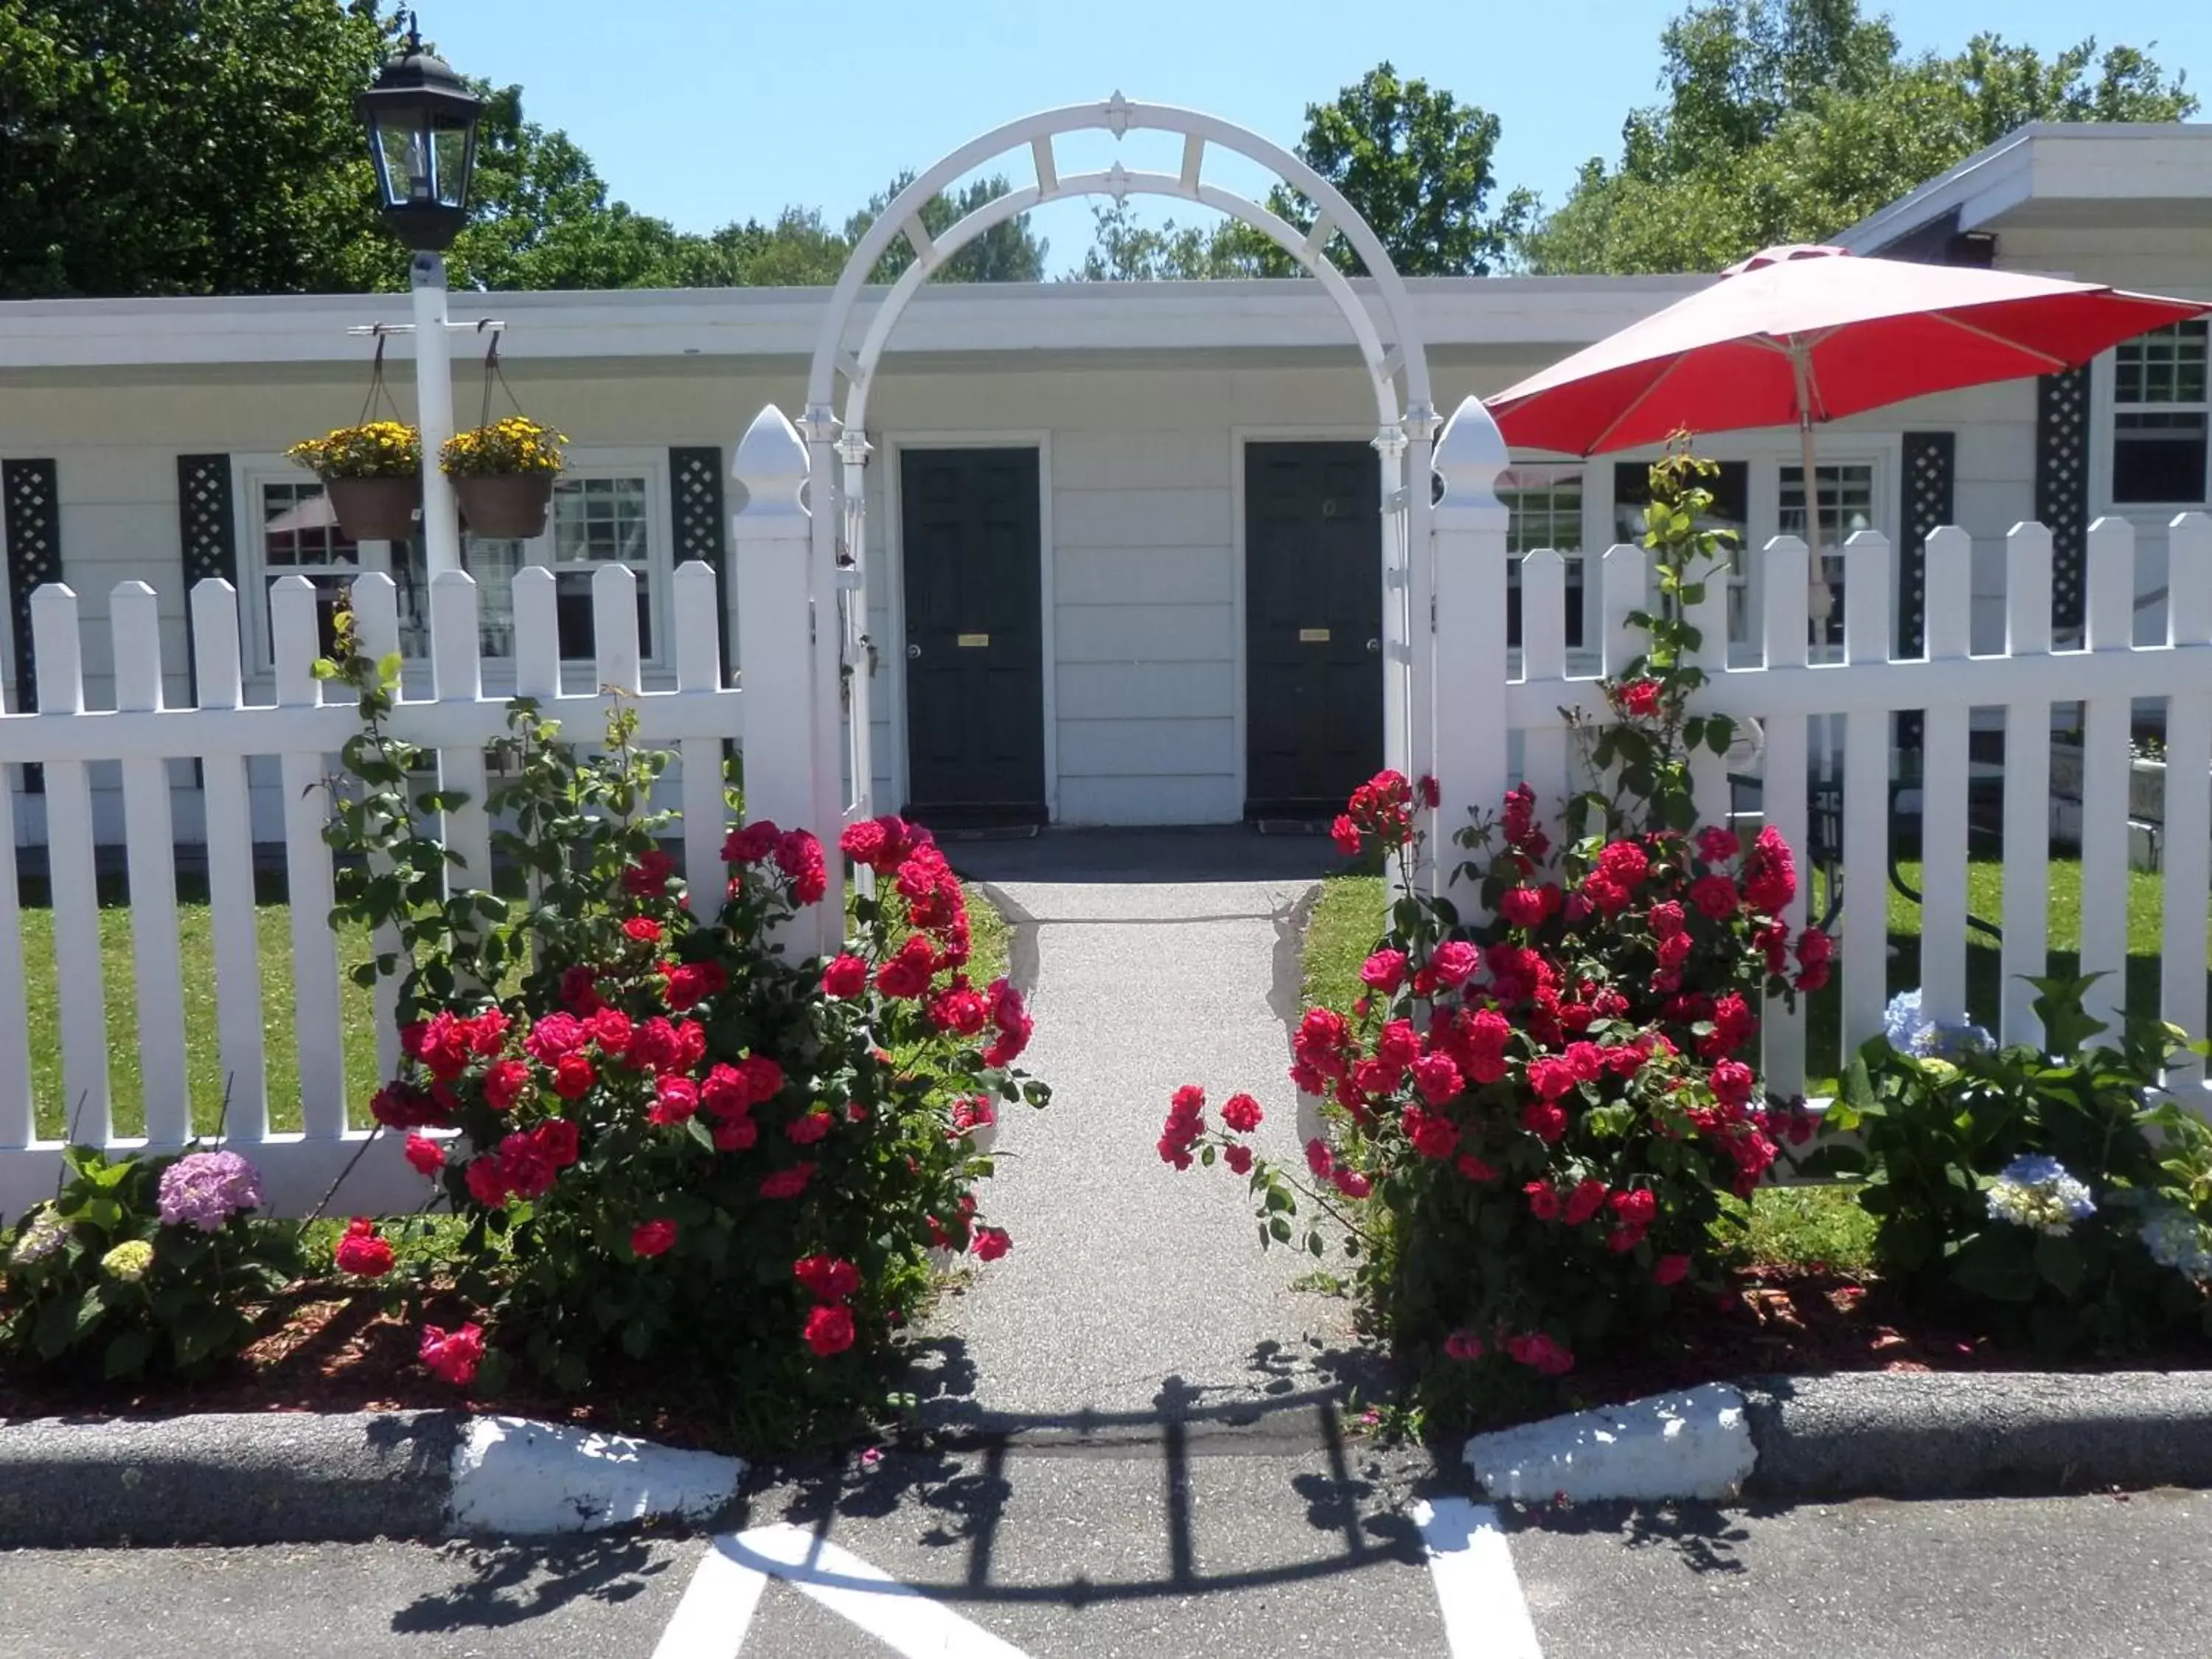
672 1141
1536 1114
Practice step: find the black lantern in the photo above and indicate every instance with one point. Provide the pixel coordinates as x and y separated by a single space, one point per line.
423 141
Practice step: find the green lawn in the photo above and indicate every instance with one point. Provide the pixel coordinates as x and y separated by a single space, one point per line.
273 925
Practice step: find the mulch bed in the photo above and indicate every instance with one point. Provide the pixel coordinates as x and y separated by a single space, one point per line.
330 1348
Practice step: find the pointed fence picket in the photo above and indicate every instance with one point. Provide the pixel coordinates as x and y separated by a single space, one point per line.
70 872
231 896
136 623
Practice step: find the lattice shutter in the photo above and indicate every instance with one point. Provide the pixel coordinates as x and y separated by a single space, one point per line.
207 529
30 501
701 527
2061 486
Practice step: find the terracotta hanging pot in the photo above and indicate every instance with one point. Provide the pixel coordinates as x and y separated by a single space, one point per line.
507 506
376 509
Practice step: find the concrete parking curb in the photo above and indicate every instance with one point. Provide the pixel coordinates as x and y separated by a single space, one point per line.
309 1478
1867 1434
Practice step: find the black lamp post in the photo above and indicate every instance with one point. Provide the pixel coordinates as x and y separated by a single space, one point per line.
422 126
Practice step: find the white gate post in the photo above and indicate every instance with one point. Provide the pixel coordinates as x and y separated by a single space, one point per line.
770 542
1467 530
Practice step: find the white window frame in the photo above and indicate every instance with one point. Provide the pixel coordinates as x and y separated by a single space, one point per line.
2104 430
251 471
1765 453
1583 565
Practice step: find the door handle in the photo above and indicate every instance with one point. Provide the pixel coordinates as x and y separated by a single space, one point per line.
914 650
1374 648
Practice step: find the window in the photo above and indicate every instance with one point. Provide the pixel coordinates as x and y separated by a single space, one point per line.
2160 442
300 536
1731 510
1846 496
1546 503
601 514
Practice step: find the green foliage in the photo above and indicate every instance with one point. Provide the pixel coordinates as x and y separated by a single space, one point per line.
1789 121
1929 1134
1124 250
1007 252
96 1284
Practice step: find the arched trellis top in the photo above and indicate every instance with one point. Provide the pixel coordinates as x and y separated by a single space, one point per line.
1118 116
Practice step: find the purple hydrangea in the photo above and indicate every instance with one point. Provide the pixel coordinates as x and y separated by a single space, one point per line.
205 1189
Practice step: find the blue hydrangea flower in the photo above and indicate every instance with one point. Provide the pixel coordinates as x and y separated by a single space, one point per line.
1911 1032
2035 1191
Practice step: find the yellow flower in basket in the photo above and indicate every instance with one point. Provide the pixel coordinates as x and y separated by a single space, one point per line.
378 449
516 445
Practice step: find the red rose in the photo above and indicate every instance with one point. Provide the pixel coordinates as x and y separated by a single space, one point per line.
361 1253
1540 1353
426 1155
1667 918
846 976
1670 1270
1346 834
827 1278
1241 1113
786 1183
1715 897
1238 1158
525 1165
1587 1199
1318 1157
829 1331
573 1077
862 842
798 855
1455 962
1474 1169
1717 845
1732 1082
651 1238
1814 947
1637 1207
1463 1346
1349 1182
1640 698
580 992
674 1100
1674 951
959 1010
649 876
989 1243
1552 1076
736 1134
405 1106
553 1036
808 1127
453 1356
1437 1078
1625 862
763 1077
504 1082
907 975
1544 1120
1769 874
1813 977
694 982
750 844
1432 1133
643 929
487 1183
560 1139
724 1093
1385 970
1543 1200
1523 907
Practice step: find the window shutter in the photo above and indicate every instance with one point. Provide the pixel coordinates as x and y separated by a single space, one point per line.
30 515
701 528
2061 486
206 527
1930 472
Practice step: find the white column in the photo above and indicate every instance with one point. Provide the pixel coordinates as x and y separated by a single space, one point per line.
1468 533
433 406
771 539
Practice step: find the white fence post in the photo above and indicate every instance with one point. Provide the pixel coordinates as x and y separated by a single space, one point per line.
2027 787
72 874
1785 783
1866 794
770 536
2105 735
1945 766
1468 528
2188 850
151 847
228 817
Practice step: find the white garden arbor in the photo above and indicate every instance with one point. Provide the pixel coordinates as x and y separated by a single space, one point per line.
837 449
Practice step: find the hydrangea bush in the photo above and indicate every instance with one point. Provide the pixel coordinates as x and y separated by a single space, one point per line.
672 1141
142 1264
1540 1111
2064 1195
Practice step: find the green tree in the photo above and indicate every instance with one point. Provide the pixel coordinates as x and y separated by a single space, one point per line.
185 146
1123 251
1006 252
1791 120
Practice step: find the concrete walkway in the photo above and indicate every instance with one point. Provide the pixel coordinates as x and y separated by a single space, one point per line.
1133 1289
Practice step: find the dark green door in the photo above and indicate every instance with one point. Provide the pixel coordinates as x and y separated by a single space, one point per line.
975 671
1313 592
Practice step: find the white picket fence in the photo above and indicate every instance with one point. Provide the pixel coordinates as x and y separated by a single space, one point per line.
1786 692
776 594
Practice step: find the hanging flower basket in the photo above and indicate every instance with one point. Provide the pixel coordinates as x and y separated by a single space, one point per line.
503 475
373 475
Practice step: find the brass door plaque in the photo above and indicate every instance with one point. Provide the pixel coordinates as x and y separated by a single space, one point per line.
970 640
1312 636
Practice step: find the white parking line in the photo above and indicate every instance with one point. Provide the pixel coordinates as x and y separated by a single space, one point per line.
1471 1565
719 1604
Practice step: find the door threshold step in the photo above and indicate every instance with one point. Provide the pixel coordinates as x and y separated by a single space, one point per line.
988 832
1291 826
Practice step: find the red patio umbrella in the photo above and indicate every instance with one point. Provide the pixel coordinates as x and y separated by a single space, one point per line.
1797 334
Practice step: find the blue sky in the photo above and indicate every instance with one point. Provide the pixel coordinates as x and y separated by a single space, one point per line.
706 111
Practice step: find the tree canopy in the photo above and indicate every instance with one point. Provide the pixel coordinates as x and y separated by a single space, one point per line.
1790 120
